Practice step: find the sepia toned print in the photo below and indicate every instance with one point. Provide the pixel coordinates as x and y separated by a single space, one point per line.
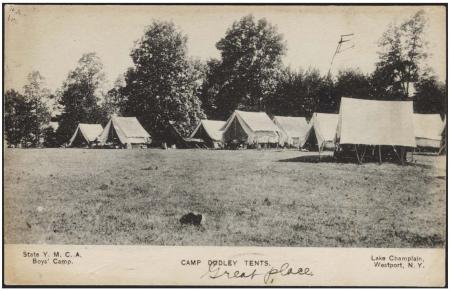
218 126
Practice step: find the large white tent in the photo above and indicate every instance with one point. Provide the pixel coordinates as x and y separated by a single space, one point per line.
250 128
126 131
428 130
293 130
323 127
85 134
210 131
372 122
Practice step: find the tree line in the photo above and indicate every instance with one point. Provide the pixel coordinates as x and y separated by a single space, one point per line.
165 84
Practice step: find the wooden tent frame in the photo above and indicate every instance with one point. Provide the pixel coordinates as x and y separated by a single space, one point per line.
360 157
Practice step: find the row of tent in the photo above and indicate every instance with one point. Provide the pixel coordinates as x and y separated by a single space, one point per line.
249 128
359 122
125 131
367 122
252 128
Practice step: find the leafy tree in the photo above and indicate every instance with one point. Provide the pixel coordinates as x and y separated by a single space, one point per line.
164 83
80 96
414 48
246 75
327 101
402 52
352 83
17 115
386 77
35 87
50 137
27 114
288 98
40 101
210 87
318 93
430 96
302 93
113 101
296 93
312 90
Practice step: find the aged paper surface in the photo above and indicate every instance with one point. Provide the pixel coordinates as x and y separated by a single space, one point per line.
146 265
287 212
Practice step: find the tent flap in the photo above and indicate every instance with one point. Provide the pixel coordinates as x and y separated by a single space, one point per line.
89 132
258 127
323 126
127 129
293 129
212 128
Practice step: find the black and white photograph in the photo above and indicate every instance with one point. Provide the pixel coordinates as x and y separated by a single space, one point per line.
310 126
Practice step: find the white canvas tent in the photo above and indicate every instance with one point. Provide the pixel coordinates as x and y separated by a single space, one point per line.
126 131
85 134
323 126
377 124
371 122
210 131
250 128
428 130
293 130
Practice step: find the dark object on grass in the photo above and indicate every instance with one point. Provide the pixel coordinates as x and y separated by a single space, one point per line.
267 202
191 219
150 168
104 187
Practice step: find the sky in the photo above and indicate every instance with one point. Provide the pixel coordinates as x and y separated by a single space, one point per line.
52 38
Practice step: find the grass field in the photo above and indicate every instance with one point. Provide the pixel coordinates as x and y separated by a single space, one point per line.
249 197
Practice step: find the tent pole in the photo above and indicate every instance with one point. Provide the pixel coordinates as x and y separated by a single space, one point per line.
402 153
396 153
443 146
357 156
320 145
379 154
364 153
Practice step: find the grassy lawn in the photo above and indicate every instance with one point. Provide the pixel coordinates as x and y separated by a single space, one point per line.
249 197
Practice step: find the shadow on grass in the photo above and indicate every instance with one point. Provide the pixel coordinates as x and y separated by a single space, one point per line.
311 159
331 159
420 165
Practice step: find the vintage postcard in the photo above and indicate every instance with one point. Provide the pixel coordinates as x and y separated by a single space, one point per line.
224 145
